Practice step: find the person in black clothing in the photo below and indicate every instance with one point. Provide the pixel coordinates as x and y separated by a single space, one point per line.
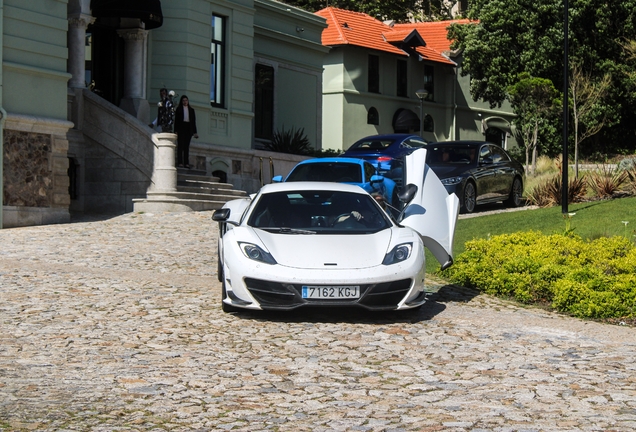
163 121
185 126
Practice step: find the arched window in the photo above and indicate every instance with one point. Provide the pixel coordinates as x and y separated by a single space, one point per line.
429 125
373 117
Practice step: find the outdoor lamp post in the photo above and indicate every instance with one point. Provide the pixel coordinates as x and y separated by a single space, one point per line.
421 95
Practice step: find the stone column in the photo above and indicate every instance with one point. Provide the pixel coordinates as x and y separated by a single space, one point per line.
133 101
77 25
164 173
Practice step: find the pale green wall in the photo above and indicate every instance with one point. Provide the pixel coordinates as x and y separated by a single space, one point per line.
332 120
180 60
34 58
299 93
454 114
346 101
289 40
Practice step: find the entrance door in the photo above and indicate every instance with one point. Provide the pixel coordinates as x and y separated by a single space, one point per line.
106 65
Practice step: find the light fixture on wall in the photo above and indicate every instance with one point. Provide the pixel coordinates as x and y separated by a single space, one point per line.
421 95
300 29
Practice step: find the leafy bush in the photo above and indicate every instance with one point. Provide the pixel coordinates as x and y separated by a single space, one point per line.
292 141
605 182
630 180
629 163
548 193
587 279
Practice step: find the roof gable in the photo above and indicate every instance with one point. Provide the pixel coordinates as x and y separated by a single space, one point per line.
346 27
436 32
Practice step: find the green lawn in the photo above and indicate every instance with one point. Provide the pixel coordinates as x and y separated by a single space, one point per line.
590 220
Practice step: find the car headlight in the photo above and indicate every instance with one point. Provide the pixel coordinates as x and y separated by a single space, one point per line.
255 253
451 181
398 254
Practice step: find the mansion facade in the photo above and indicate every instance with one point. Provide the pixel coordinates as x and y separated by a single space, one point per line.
80 84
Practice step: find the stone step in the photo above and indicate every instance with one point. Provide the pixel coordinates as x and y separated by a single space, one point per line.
207 185
196 191
229 193
160 205
195 195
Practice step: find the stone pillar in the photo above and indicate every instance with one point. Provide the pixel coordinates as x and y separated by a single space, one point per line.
134 101
164 173
77 25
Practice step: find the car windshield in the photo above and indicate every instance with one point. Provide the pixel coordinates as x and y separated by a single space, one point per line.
318 212
328 171
446 155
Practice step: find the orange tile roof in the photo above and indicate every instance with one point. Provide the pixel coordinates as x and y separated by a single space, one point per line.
435 32
354 28
346 27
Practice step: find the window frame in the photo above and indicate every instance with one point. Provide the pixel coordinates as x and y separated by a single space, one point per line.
373 74
429 82
402 78
264 102
217 61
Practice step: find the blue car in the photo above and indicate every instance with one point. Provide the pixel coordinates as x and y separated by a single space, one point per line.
344 170
386 152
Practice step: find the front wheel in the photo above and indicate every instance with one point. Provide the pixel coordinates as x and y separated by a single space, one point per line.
470 197
516 194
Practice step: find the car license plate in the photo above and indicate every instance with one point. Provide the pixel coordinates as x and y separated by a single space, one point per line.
330 292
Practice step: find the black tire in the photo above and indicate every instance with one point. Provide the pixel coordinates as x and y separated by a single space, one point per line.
516 194
469 197
226 307
219 270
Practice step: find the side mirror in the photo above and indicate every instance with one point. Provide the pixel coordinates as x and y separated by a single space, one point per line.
377 179
407 193
221 215
486 161
277 179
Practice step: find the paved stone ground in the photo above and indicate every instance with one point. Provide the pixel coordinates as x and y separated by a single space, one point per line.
115 325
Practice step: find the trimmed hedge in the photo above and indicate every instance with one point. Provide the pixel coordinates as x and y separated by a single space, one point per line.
587 279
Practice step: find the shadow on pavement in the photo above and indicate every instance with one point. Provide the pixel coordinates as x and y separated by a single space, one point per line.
428 311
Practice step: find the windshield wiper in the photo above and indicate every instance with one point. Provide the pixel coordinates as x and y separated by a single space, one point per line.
286 230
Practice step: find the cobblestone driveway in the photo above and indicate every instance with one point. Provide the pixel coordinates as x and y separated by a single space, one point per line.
115 325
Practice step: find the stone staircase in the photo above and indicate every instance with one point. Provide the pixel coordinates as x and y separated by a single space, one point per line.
196 191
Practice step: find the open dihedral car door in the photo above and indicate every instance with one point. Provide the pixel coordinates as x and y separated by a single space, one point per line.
432 212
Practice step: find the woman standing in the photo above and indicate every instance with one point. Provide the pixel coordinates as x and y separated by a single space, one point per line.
185 126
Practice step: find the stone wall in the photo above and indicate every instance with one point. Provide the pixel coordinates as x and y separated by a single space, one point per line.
26 175
35 171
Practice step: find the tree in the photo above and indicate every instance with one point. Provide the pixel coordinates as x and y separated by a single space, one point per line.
589 115
535 100
517 36
396 10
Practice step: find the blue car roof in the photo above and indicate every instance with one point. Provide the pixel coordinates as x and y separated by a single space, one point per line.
332 160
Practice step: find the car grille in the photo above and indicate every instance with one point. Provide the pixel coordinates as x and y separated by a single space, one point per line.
276 295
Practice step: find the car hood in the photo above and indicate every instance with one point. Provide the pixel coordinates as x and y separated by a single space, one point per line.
446 171
318 251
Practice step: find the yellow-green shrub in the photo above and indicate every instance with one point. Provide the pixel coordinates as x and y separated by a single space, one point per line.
594 279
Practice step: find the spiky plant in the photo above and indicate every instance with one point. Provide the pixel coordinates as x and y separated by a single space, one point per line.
606 182
292 141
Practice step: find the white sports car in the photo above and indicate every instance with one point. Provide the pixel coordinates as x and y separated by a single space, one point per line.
331 244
